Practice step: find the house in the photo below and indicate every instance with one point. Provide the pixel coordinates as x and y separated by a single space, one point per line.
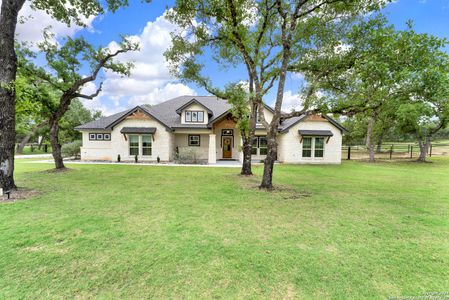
204 125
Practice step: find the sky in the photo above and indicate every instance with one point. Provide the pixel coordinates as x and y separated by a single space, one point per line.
150 81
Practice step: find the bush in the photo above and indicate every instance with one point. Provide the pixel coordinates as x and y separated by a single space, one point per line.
187 155
71 149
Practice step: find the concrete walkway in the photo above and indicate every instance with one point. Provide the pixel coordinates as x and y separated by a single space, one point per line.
47 155
219 164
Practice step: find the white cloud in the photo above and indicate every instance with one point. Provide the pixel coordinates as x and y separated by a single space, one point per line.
150 81
291 101
35 21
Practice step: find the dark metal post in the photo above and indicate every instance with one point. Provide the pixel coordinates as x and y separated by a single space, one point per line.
391 152
349 153
430 150
411 151
45 148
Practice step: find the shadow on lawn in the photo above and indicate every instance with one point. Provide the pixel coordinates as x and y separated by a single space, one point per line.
284 192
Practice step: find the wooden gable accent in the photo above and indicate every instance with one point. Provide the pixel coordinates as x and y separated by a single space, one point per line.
138 115
227 122
315 118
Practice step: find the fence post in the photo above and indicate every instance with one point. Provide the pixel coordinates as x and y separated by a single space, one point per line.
45 148
411 151
391 152
430 150
349 152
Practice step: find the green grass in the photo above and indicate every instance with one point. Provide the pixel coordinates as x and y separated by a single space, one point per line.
110 231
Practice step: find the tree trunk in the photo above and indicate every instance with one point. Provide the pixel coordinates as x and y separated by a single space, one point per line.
248 141
55 145
423 148
246 165
8 68
369 138
267 179
379 146
27 138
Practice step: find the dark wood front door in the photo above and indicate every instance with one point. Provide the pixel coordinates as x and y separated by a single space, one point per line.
227 147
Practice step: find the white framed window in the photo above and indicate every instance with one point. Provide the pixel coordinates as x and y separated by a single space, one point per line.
107 136
192 116
92 136
99 136
313 147
147 145
194 140
260 146
133 144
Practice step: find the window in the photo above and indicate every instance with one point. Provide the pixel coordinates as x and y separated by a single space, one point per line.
194 116
92 136
99 136
194 140
258 120
133 145
263 145
107 137
146 145
307 147
313 145
254 148
227 132
259 146
319 147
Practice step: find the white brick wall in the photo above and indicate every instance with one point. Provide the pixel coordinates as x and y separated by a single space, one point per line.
290 147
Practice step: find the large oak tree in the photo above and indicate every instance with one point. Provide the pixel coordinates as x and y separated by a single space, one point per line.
266 37
70 11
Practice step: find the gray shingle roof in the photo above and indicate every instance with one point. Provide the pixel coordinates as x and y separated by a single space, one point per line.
165 113
104 122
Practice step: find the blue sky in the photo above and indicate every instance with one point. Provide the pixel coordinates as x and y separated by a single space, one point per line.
151 83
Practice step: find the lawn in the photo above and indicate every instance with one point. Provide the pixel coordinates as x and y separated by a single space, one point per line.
110 231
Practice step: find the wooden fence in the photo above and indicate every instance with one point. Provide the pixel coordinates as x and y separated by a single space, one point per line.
393 151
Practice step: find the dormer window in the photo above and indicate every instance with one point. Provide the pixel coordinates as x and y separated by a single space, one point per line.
194 116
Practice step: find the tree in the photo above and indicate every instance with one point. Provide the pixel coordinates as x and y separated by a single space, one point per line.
28 110
69 12
366 74
266 37
65 81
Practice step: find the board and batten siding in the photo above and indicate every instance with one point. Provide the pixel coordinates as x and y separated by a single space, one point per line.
290 146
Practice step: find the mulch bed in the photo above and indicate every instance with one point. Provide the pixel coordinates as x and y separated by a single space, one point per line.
19 195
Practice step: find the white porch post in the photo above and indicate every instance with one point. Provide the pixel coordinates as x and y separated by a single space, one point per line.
212 149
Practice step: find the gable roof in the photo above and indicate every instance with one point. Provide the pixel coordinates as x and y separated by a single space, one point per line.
166 113
284 127
193 101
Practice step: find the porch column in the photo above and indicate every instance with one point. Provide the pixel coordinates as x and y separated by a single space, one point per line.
212 149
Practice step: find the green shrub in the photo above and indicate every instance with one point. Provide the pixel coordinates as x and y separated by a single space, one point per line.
71 149
188 155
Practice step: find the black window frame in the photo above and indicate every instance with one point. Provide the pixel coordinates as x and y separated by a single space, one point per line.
194 135
190 119
99 136
307 149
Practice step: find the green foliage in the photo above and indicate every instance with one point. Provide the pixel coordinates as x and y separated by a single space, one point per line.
71 149
74 11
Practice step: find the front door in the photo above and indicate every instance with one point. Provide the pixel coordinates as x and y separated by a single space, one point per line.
227 147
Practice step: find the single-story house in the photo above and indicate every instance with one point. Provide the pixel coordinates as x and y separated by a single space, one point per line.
204 125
